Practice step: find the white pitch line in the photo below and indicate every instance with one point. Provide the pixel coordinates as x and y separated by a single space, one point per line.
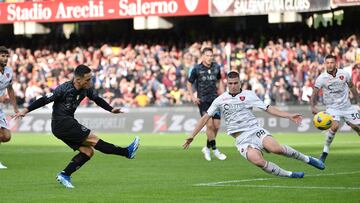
234 181
222 183
289 187
333 174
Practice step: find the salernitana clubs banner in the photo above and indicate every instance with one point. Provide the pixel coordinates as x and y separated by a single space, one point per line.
263 7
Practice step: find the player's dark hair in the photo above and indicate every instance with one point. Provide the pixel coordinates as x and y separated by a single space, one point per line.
4 50
233 74
81 70
206 49
330 56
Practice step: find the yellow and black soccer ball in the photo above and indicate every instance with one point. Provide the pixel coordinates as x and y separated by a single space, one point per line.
323 121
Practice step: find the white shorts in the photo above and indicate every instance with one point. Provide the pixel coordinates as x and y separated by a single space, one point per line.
350 114
253 138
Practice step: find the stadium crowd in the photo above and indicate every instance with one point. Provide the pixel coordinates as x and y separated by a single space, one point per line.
280 72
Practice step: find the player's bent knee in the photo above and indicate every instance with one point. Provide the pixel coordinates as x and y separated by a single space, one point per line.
277 150
5 135
92 139
210 127
5 138
217 124
255 157
87 150
335 126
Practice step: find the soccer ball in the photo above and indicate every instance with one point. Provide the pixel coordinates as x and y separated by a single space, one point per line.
323 121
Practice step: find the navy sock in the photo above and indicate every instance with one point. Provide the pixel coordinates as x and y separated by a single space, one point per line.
208 144
108 148
76 162
212 144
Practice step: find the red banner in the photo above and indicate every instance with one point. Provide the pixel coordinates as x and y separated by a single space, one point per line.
346 2
87 10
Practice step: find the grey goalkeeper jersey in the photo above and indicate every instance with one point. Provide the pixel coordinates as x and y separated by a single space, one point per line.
335 89
237 110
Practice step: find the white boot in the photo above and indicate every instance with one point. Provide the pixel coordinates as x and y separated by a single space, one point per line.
219 155
2 166
206 152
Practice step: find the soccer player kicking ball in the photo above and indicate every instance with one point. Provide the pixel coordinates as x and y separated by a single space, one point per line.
65 127
335 84
251 139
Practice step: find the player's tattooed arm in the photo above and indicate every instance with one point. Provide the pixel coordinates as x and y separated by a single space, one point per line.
313 99
296 117
354 126
354 92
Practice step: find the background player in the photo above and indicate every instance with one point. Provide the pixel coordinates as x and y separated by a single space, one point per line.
64 126
6 75
251 139
335 84
207 77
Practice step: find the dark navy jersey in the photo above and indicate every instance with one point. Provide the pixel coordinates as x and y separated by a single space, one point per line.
206 79
66 99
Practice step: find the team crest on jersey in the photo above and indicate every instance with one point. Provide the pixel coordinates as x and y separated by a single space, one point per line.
341 77
48 95
242 98
7 75
83 128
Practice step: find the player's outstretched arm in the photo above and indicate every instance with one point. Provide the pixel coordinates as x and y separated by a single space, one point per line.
103 104
296 118
200 124
313 100
20 114
42 101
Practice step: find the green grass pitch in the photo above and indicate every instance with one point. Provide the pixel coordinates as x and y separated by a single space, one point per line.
164 172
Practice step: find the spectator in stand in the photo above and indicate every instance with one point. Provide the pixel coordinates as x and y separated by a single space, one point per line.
159 68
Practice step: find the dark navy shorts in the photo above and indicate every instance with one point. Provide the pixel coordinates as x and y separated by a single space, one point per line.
70 131
204 106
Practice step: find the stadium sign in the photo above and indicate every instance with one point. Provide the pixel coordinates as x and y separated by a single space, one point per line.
147 8
86 10
262 7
